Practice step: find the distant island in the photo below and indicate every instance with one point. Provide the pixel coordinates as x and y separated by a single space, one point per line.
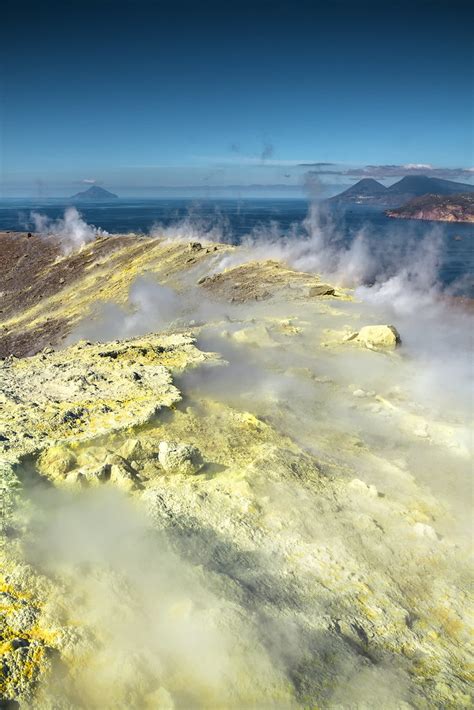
370 192
367 190
94 194
441 208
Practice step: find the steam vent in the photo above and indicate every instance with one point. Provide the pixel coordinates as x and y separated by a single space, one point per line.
224 484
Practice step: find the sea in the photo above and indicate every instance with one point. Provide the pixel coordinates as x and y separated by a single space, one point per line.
235 220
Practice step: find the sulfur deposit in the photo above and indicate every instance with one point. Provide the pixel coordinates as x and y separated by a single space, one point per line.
235 499
377 337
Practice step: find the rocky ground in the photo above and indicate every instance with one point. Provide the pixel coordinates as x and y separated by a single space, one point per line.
437 208
219 490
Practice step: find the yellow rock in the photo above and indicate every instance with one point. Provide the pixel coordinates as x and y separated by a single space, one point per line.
258 336
56 461
378 337
131 450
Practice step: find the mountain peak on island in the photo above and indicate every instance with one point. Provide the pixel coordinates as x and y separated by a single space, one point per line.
362 191
368 183
95 193
417 185
369 191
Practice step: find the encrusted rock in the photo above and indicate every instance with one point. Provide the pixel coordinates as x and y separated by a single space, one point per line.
423 530
258 335
362 487
179 458
131 450
321 290
123 477
23 618
56 461
82 393
92 476
377 337
93 456
121 473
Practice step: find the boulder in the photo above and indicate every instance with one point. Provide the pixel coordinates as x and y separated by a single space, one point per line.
93 456
321 290
79 478
94 476
257 336
426 531
131 450
121 472
377 337
365 488
179 458
123 477
56 461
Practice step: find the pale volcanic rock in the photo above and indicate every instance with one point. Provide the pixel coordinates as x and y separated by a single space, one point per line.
312 530
132 450
321 290
88 390
56 461
123 476
255 335
376 337
179 458
364 488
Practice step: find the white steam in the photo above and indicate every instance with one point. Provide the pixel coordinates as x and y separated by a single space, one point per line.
392 266
71 231
165 630
396 280
317 246
150 307
195 227
153 635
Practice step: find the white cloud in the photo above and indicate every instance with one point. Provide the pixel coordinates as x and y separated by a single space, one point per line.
418 166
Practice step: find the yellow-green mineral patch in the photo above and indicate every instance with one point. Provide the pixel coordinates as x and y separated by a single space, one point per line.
242 528
88 390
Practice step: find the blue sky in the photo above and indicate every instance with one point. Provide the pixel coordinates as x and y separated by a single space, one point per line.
143 97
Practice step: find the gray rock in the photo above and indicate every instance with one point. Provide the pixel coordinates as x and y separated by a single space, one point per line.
179 458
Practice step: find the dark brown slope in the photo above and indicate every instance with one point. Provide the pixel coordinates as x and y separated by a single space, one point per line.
32 269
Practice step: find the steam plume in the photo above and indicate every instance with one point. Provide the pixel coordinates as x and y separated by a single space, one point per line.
72 232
